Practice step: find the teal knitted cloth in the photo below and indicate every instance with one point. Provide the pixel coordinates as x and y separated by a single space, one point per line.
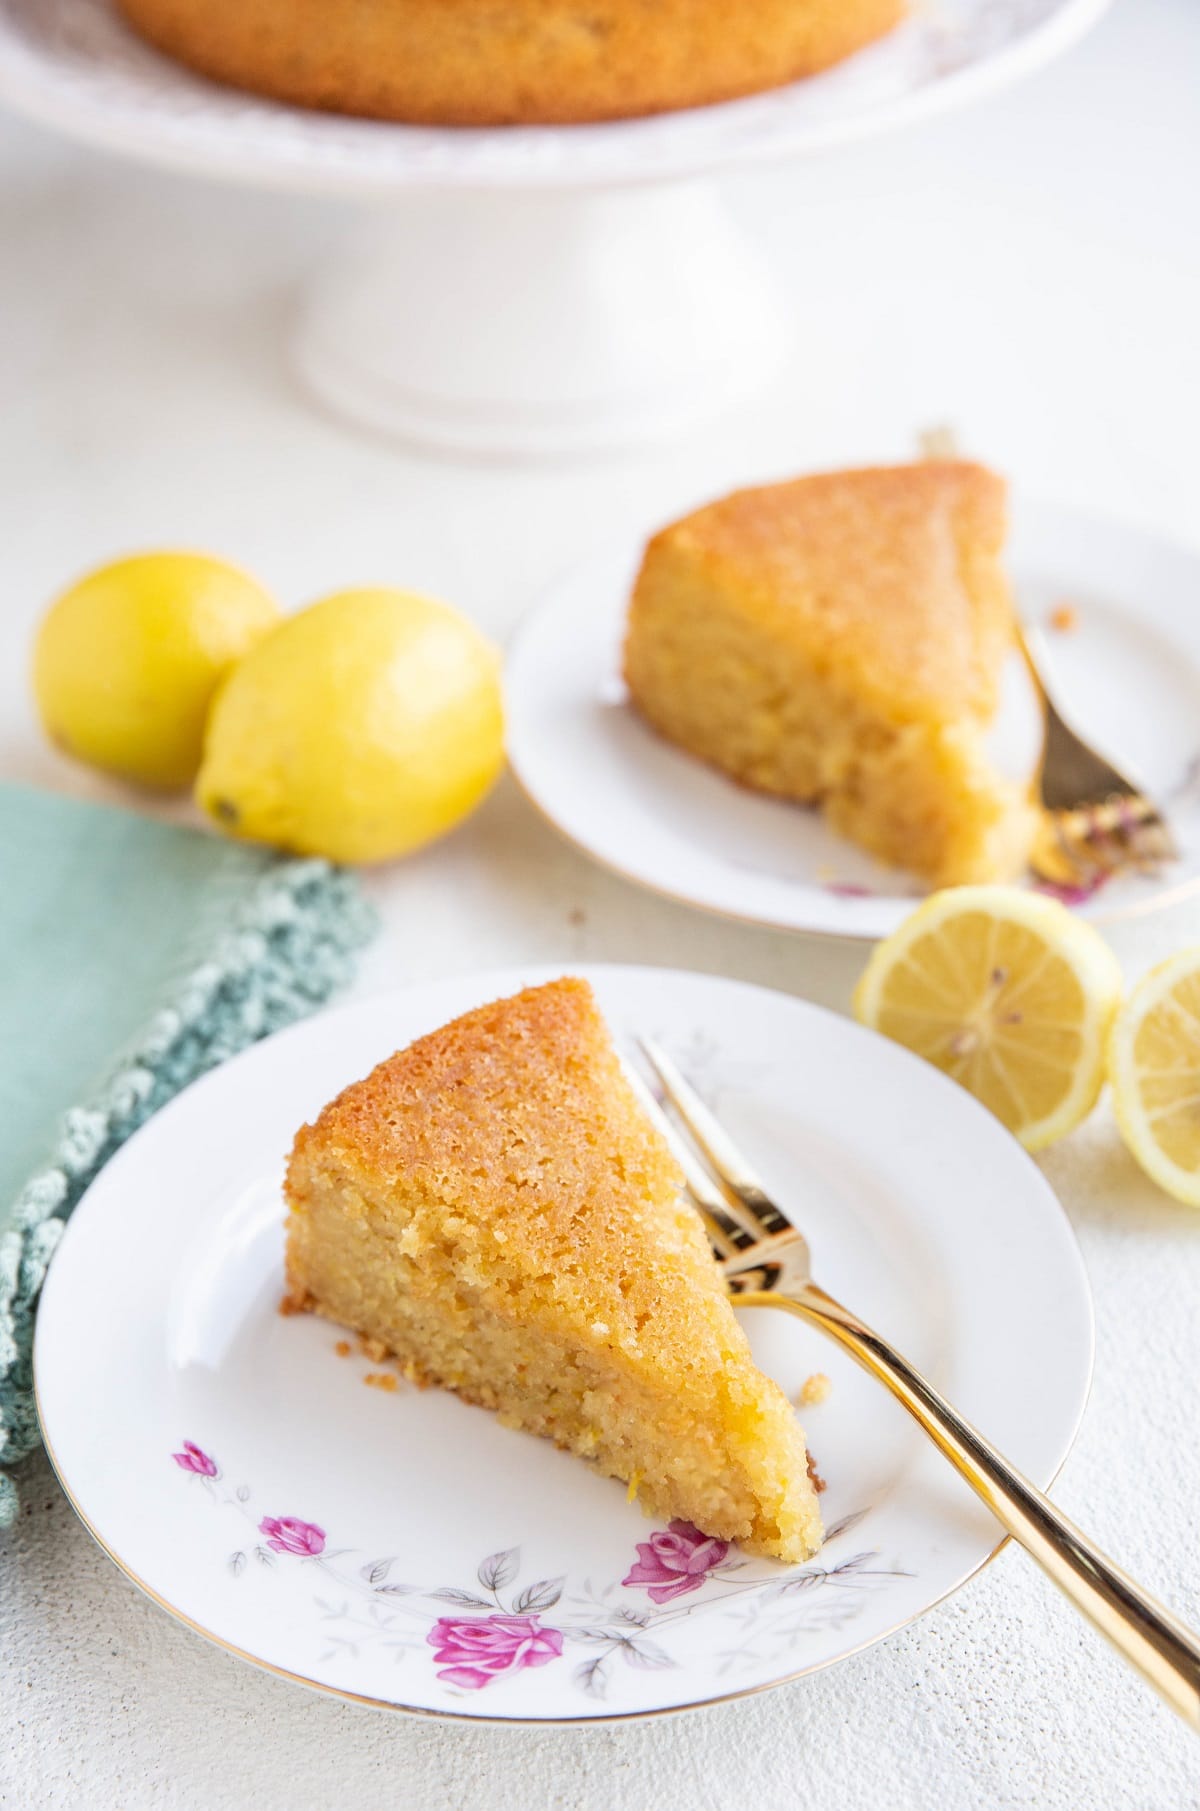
133 957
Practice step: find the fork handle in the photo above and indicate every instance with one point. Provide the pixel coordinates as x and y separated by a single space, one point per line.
1153 1640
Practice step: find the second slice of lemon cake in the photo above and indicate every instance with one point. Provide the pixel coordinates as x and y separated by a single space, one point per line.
494 1206
839 640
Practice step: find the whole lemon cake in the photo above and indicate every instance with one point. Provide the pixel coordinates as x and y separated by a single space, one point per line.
839 640
509 62
492 1205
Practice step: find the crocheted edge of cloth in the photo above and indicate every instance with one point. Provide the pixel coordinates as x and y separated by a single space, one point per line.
290 945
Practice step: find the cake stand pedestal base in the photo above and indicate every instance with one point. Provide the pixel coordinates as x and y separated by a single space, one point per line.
542 324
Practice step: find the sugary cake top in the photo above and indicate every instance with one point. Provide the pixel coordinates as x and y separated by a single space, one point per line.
512 1138
890 574
509 1175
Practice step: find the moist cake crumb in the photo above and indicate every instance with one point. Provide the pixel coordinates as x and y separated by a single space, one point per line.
814 1389
838 641
599 1320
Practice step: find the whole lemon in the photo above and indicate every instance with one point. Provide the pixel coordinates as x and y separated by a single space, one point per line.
126 662
364 726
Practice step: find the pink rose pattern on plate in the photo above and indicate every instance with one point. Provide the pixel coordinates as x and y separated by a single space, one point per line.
287 1534
675 1560
497 1633
474 1650
194 1459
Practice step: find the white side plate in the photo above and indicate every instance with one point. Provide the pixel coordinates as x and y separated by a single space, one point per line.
1128 674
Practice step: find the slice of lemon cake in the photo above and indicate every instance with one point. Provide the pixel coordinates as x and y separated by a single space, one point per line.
839 640
494 1207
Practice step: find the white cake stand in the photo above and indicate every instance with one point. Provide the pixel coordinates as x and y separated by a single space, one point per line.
533 291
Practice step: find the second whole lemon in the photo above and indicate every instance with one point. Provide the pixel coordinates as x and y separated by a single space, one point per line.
363 727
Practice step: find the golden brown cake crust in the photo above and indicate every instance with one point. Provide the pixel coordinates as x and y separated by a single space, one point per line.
480 62
889 573
516 1123
513 1092
493 1206
839 640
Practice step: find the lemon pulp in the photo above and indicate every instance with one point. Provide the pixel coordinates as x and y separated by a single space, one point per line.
1007 994
1154 1065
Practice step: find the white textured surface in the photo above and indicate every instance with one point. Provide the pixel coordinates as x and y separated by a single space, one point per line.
1042 288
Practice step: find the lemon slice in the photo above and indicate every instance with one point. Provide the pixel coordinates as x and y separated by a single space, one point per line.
1154 1068
1007 993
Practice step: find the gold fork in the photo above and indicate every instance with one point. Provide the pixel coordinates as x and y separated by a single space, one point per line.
1095 821
765 1262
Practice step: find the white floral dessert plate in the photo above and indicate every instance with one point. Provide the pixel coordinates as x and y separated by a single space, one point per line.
401 1548
1127 670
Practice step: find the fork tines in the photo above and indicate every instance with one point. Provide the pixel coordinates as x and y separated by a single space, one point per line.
1087 842
729 1228
737 1187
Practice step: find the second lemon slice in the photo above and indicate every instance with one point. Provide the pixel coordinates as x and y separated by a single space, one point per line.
1007 993
1154 1067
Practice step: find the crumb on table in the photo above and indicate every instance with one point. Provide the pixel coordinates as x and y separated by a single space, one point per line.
1064 618
818 1482
382 1380
814 1389
343 1348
